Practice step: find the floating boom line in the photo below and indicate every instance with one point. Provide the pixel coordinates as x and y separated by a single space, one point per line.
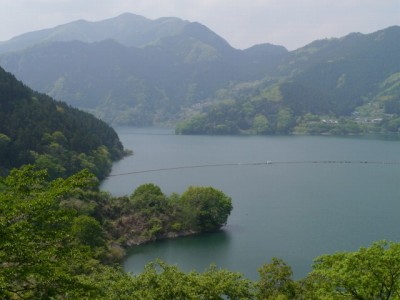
298 162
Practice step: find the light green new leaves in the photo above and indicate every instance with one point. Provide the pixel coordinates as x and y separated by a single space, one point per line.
370 273
39 255
162 281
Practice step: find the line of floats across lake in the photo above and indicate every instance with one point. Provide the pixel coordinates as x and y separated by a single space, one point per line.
261 163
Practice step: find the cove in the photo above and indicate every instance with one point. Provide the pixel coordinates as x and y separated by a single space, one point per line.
292 211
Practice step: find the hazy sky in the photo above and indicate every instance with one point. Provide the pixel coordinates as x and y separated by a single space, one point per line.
243 23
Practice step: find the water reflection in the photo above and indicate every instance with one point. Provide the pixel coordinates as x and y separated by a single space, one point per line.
291 211
214 247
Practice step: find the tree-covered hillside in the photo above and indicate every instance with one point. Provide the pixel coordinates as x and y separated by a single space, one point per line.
127 29
135 71
59 240
337 86
36 129
107 71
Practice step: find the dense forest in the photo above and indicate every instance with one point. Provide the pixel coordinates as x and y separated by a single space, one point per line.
60 239
337 86
63 238
173 71
58 236
133 77
298 110
36 129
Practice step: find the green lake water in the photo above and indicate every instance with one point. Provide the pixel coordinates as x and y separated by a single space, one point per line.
294 211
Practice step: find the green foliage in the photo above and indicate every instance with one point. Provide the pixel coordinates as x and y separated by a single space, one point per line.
194 125
392 125
161 281
149 197
369 273
262 116
4 140
334 78
205 208
276 281
148 214
260 125
208 207
147 189
88 231
284 121
140 86
56 237
222 118
191 66
231 117
39 257
36 129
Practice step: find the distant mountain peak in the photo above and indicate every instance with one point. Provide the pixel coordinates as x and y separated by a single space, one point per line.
129 15
206 35
135 70
128 29
266 48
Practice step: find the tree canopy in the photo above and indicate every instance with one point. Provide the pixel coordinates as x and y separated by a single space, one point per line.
60 238
36 129
40 255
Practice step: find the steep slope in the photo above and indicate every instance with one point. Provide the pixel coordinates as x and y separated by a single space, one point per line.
127 29
139 85
36 129
351 69
346 85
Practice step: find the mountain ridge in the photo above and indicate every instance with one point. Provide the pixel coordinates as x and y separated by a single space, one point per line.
36 129
353 82
140 84
188 67
120 28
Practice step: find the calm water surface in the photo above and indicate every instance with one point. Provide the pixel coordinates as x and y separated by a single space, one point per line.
291 211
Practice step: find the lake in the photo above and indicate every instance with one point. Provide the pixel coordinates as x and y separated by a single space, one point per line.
294 211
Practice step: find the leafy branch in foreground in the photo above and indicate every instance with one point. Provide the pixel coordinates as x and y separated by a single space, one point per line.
39 255
56 239
369 273
57 236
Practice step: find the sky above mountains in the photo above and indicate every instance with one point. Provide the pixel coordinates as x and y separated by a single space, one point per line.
243 23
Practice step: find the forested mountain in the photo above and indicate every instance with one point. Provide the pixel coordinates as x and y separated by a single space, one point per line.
136 71
36 129
131 70
127 29
351 70
339 86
